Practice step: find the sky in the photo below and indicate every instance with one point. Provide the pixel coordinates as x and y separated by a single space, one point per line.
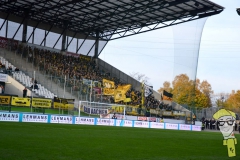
154 53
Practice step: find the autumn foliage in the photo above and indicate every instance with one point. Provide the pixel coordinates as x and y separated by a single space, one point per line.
189 92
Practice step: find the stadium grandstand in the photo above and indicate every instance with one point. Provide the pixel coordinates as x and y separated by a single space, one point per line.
52 47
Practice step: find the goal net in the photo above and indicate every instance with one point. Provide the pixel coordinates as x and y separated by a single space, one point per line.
103 110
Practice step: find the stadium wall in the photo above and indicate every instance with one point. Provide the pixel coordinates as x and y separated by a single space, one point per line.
48 118
16 88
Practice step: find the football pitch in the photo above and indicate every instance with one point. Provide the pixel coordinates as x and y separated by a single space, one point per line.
36 141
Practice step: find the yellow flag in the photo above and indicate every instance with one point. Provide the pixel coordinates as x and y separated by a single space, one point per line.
108 87
120 92
127 100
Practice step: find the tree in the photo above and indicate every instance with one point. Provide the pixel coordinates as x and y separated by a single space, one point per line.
190 92
233 102
140 77
182 89
166 86
206 89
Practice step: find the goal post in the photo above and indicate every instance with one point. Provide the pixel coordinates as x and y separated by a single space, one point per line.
101 109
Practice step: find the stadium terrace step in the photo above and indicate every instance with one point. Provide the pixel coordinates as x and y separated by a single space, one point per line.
29 69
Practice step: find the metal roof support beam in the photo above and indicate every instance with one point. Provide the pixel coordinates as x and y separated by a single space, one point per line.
33 35
24 32
6 33
96 45
33 31
102 48
82 43
18 28
67 43
77 45
46 34
64 35
71 39
59 38
4 22
45 38
91 48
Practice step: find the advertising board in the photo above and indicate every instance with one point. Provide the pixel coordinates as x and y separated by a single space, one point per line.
157 125
13 117
141 124
84 120
61 119
184 127
35 118
171 126
105 122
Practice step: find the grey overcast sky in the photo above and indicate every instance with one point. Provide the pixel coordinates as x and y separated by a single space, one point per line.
152 53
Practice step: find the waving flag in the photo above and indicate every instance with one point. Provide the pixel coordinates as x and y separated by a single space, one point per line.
148 90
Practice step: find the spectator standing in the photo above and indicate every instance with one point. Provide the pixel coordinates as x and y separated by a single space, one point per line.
2 89
239 126
213 124
25 92
114 116
161 120
236 126
207 123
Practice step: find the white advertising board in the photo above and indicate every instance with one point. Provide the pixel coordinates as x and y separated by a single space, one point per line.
184 127
141 124
13 117
124 123
84 120
196 128
127 123
35 118
61 119
105 122
171 126
157 125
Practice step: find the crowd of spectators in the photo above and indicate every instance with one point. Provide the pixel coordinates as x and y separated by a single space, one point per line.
212 124
77 68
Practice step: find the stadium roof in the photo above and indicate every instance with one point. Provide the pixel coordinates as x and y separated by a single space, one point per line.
106 19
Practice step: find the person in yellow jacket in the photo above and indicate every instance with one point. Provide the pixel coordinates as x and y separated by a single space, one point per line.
226 119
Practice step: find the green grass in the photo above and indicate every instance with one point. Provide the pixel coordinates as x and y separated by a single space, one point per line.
36 141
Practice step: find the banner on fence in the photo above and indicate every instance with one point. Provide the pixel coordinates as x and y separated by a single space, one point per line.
142 118
41 102
3 77
117 109
63 103
5 99
152 119
4 42
108 87
16 101
97 111
13 117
